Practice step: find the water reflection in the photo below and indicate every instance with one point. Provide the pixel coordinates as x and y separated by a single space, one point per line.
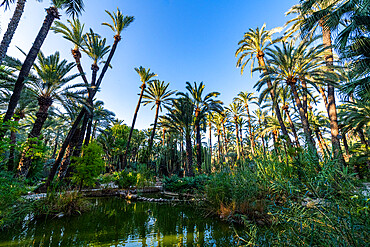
115 222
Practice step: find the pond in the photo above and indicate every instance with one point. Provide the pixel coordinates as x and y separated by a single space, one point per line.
117 222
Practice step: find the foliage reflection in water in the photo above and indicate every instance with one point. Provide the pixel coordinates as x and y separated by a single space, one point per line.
116 222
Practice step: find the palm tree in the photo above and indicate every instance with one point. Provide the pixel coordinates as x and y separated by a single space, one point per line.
261 116
316 13
75 35
254 44
145 77
245 98
12 26
287 66
217 122
73 7
202 105
118 28
236 110
50 86
157 92
96 49
181 116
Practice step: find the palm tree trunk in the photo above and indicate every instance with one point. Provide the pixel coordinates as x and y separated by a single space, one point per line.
94 68
210 139
154 127
62 150
27 154
52 13
331 108
320 143
77 56
198 140
55 146
261 63
251 135
263 139
345 143
88 130
241 141
304 96
237 139
13 142
189 156
285 108
306 127
133 125
323 141
117 39
12 26
225 139
94 129
67 157
219 144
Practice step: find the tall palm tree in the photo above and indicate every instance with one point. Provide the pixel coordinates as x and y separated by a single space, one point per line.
145 77
96 49
73 7
50 86
118 28
203 104
236 111
316 13
286 66
245 98
254 44
217 122
261 116
157 92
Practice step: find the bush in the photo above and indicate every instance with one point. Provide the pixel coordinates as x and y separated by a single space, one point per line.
68 203
12 208
186 184
125 179
89 166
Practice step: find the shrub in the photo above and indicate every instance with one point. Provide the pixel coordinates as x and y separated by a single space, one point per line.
125 179
68 203
186 184
89 166
12 208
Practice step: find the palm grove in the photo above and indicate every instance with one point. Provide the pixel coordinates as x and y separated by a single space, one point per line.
50 107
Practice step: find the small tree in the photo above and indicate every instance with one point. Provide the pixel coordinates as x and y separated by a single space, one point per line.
89 166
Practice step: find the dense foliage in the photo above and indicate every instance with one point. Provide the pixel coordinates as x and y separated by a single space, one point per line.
288 161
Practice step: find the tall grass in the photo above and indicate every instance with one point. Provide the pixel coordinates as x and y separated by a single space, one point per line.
293 202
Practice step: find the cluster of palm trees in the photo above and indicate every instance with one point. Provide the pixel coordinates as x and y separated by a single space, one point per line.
300 73
49 79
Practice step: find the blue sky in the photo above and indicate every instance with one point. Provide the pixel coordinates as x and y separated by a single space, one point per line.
180 40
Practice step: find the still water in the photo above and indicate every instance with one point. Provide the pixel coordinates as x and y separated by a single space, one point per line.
117 222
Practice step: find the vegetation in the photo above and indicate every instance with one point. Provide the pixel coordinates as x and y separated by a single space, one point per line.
290 173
